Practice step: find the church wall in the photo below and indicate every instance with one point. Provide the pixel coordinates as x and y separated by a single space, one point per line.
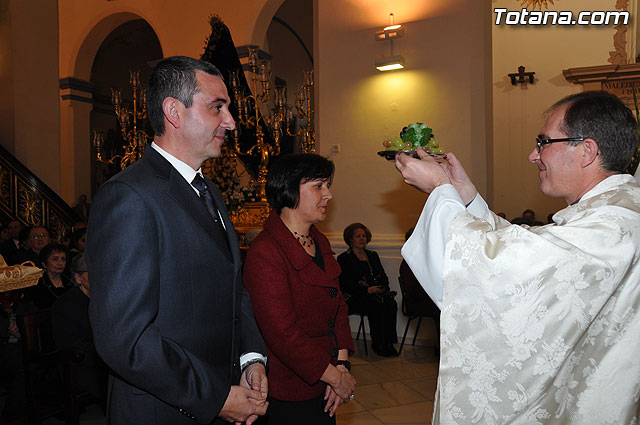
518 110
29 84
7 124
359 107
84 24
446 85
181 30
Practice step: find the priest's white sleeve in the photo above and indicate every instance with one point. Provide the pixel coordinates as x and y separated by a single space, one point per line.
638 174
424 250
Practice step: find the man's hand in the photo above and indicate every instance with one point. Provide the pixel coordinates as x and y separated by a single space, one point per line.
425 173
243 405
254 378
459 178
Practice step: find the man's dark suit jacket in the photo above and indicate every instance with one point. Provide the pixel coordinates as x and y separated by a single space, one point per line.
169 313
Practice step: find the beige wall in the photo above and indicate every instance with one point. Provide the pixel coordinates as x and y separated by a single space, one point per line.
181 30
29 86
446 85
7 124
443 85
518 110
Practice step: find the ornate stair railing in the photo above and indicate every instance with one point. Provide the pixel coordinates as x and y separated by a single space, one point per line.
24 197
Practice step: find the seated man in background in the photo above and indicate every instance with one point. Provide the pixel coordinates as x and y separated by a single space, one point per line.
540 324
71 329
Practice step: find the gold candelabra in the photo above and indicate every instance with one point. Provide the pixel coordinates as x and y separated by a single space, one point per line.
135 139
304 111
277 120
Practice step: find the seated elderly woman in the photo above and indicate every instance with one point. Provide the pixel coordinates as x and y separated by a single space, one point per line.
365 286
292 277
54 282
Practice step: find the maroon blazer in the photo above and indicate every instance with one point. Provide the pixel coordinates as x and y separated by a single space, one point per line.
299 309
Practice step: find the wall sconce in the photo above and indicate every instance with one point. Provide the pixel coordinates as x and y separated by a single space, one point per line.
521 77
390 63
390 33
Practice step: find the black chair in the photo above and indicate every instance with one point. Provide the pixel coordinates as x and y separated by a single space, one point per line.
56 368
364 332
40 360
416 304
75 398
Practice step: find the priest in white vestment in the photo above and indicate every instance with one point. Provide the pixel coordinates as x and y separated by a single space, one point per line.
539 325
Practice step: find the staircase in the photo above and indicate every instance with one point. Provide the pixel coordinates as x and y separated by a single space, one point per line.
24 197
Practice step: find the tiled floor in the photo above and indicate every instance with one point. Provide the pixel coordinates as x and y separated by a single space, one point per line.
392 390
395 391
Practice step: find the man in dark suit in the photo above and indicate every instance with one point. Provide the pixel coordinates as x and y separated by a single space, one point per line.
168 309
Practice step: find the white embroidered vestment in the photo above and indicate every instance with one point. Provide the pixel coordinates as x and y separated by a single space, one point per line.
541 325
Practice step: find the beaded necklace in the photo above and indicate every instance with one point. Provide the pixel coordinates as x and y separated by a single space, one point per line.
304 240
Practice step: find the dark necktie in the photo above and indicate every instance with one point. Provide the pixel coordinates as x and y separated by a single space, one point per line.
206 197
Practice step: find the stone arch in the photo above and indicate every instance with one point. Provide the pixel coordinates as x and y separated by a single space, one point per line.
77 102
94 38
264 20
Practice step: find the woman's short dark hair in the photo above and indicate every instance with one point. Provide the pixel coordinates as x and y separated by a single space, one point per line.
48 250
606 119
351 229
174 77
289 172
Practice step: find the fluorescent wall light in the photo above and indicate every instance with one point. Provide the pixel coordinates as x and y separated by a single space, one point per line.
390 63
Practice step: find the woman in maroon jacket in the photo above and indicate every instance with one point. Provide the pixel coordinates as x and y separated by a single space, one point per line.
292 277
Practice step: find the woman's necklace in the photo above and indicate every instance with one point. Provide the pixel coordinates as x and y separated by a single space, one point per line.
56 280
304 240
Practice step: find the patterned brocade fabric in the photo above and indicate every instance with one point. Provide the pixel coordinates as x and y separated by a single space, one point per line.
541 325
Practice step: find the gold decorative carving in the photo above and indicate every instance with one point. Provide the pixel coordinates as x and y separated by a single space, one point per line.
5 187
29 205
622 4
57 226
25 198
537 3
251 215
619 56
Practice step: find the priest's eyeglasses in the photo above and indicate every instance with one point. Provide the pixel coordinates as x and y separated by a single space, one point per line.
540 142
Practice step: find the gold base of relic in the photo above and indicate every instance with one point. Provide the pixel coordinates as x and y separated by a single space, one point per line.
249 220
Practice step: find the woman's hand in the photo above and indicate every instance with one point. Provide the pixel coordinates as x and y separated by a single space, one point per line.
333 401
375 289
342 383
